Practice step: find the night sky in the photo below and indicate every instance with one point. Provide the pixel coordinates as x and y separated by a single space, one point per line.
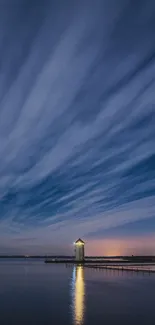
77 126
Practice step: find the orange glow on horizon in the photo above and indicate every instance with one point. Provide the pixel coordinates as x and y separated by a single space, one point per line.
123 246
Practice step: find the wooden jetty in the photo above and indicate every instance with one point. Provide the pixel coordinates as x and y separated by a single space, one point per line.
104 261
139 264
131 268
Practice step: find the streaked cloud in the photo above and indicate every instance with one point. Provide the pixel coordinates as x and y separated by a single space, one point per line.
77 115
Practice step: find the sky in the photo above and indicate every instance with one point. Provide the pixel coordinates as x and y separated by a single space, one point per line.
77 126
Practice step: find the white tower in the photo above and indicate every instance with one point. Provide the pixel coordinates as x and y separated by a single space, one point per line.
79 250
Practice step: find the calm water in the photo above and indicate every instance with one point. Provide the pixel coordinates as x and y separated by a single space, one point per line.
32 292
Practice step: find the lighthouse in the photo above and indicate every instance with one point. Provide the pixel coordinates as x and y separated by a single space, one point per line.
79 250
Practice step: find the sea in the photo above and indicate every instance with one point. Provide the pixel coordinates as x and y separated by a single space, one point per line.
32 292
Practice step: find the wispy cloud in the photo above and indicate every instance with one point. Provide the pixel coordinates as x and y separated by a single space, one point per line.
77 114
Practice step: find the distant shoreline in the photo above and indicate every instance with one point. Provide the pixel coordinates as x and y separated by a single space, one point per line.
131 257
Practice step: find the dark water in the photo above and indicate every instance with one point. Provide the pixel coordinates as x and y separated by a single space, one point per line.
32 292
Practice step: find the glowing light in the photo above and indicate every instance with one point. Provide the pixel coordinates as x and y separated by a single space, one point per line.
79 243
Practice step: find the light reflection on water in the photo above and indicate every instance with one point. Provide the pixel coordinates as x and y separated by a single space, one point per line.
78 295
33 292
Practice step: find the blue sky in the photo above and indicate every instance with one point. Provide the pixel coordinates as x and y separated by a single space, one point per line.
77 123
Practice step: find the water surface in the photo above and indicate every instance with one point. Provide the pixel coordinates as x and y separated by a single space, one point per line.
32 292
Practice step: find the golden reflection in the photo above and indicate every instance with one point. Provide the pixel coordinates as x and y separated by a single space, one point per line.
78 290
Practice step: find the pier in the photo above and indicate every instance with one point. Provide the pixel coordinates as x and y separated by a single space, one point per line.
143 264
104 260
131 268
